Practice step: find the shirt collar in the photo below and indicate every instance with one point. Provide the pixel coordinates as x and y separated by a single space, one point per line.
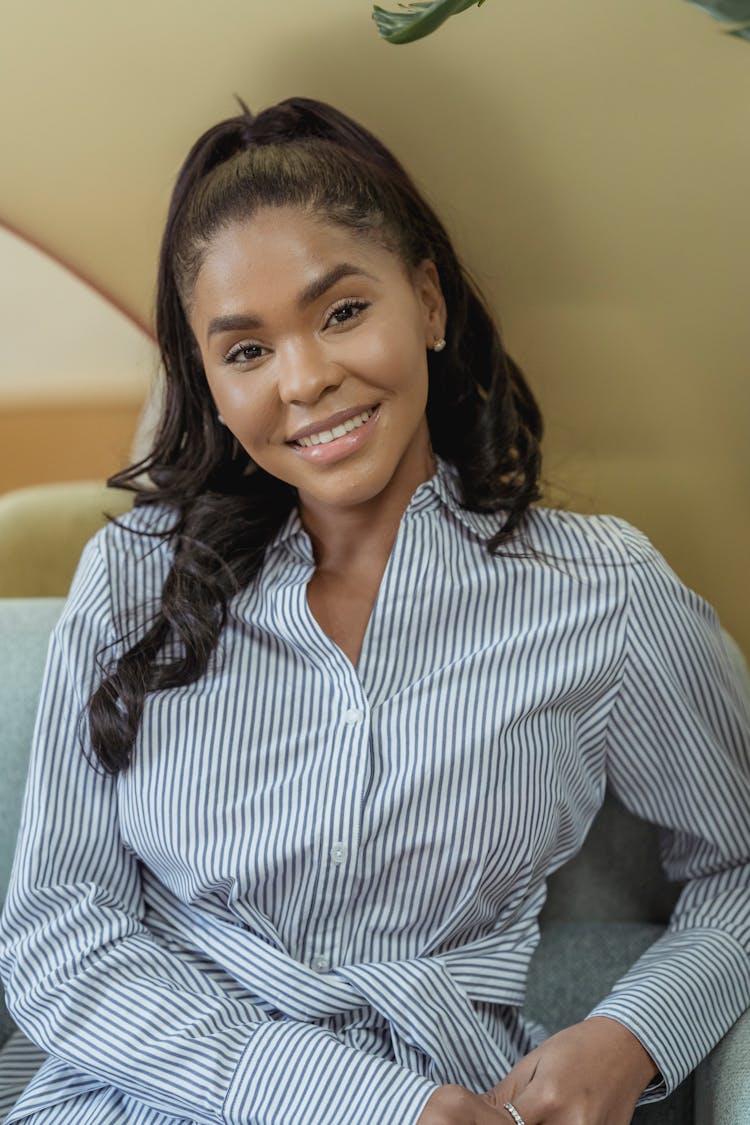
446 485
291 530
442 491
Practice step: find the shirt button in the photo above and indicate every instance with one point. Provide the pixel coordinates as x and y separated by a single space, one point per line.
320 963
338 853
352 716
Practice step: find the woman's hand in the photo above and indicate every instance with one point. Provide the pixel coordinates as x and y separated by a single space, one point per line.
455 1105
589 1074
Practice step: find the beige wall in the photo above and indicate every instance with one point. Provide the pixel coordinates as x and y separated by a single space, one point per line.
74 373
64 441
590 158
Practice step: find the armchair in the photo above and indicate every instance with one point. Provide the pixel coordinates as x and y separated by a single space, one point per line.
603 908
43 529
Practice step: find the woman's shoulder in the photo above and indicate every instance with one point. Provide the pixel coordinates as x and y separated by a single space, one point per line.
140 533
131 556
575 536
145 515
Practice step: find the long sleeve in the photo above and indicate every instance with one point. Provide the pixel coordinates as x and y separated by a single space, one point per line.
91 984
679 756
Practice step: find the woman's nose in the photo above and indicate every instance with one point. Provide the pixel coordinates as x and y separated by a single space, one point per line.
306 373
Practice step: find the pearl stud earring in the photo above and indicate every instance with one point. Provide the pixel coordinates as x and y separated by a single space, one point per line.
438 345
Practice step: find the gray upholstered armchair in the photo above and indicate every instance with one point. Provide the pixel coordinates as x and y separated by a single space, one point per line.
603 909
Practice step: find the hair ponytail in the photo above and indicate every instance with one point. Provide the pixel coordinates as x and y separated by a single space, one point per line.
481 413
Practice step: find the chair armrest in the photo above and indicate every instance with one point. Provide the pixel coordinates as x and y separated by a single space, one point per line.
722 1081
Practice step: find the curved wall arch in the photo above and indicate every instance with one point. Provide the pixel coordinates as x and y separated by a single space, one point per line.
74 372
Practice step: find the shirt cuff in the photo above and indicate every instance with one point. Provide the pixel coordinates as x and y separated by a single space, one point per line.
292 1072
679 999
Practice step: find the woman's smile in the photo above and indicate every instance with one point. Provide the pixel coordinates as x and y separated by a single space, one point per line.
346 432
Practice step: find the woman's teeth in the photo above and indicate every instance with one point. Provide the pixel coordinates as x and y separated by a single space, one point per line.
338 431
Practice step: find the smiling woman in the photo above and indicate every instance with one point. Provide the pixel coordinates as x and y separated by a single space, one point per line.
352 697
352 344
329 392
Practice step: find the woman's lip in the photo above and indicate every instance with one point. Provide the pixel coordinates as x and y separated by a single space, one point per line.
340 447
331 423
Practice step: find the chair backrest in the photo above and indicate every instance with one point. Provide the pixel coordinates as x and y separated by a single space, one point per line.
25 626
616 877
43 530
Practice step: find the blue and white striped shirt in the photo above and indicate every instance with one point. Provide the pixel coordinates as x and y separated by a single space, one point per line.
314 895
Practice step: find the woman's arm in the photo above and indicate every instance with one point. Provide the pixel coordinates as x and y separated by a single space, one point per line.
679 756
89 982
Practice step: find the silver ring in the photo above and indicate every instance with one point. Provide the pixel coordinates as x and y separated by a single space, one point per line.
514 1113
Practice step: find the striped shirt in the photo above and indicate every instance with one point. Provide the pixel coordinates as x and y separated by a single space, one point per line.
314 895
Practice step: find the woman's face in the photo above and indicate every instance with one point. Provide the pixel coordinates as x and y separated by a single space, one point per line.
314 343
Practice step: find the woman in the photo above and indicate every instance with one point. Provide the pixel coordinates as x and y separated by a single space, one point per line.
350 700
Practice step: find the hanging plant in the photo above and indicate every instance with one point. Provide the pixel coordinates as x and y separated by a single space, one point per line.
417 19
736 12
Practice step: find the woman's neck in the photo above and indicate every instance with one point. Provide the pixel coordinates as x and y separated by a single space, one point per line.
360 537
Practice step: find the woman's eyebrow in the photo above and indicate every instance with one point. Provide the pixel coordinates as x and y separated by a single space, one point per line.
312 291
319 285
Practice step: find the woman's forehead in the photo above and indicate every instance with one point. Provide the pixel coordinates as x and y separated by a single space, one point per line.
287 243
282 258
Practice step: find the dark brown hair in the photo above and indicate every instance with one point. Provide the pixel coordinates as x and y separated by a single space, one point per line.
481 414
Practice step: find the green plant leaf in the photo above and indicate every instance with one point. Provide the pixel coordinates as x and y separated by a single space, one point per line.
417 19
420 17
729 11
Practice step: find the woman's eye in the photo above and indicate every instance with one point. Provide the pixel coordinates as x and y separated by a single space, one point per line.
244 353
347 310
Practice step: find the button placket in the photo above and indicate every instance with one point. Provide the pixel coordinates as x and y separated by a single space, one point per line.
325 934
355 717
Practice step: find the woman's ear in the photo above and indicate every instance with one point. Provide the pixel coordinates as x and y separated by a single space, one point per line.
430 293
